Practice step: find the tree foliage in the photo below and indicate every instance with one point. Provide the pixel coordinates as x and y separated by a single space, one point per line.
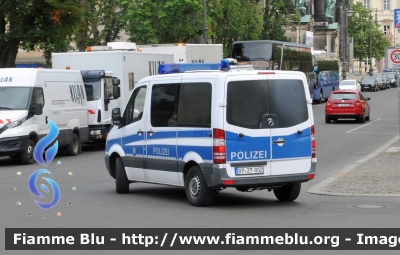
364 31
234 20
276 19
30 24
100 22
164 21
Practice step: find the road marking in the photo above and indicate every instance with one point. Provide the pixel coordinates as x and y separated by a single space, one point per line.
375 133
362 126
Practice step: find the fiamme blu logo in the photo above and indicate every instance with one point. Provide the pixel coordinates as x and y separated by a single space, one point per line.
49 155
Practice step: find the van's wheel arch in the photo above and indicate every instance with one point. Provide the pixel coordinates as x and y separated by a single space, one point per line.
74 147
197 191
288 192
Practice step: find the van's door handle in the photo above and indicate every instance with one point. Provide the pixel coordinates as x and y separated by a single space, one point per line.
241 135
140 132
150 132
280 141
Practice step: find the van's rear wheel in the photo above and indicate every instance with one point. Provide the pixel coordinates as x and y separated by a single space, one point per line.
196 188
26 156
121 180
288 192
74 147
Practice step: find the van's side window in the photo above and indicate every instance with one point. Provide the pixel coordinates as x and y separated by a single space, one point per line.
195 105
164 105
135 107
39 98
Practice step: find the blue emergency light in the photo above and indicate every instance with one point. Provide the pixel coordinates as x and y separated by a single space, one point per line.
183 67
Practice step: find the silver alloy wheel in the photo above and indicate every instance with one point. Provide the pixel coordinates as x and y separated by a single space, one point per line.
195 187
30 151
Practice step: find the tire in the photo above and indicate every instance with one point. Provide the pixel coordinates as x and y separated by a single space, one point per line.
367 118
74 147
320 98
26 156
362 119
288 192
327 119
121 180
197 192
375 88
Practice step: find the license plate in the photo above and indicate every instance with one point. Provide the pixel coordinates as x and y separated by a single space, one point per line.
343 105
249 170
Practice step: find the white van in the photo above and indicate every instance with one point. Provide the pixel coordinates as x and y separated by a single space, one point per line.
210 130
28 98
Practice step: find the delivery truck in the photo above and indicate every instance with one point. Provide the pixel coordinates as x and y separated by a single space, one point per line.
29 97
121 64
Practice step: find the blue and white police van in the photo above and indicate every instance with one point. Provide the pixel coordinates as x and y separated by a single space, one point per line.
210 130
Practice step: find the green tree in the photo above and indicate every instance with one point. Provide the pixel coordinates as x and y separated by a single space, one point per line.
164 21
31 24
276 18
105 14
361 27
234 20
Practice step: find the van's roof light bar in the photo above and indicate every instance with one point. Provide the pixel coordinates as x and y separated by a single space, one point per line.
186 67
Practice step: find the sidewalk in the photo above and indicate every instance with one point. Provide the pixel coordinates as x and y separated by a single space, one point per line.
377 174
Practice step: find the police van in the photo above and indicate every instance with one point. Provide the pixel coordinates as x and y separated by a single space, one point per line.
28 98
210 130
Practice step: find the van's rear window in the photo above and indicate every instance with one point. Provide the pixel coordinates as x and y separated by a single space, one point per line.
251 103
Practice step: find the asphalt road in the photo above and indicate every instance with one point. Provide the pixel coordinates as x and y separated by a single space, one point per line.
88 197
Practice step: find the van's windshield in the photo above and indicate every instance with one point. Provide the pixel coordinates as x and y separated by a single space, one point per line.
14 98
93 89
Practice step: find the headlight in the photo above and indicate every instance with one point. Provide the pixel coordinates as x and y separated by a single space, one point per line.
16 123
95 132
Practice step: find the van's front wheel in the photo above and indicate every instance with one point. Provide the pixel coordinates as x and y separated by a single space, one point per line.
121 180
74 147
196 188
288 192
26 156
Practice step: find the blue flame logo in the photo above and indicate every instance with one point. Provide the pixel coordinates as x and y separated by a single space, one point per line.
38 156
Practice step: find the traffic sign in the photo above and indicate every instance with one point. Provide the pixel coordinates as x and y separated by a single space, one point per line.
397 18
393 58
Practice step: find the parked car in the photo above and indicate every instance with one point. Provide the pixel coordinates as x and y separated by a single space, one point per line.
347 104
381 82
369 83
392 78
386 81
350 84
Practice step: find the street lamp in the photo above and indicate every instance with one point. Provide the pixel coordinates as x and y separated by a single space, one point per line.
348 13
370 38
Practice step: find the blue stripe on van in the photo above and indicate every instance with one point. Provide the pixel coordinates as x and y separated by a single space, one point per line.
195 133
247 148
295 146
111 143
161 150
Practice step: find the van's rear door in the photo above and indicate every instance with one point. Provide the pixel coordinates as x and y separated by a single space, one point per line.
248 137
291 131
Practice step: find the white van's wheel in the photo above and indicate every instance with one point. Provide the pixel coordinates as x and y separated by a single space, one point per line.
121 180
74 147
26 156
288 192
196 188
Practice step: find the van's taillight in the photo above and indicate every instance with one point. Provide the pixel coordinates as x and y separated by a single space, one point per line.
358 103
312 142
219 152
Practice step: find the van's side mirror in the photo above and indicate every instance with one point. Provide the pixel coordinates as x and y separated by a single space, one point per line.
38 109
116 81
116 116
116 92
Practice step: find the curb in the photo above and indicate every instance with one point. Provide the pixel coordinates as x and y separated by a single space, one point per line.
318 188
